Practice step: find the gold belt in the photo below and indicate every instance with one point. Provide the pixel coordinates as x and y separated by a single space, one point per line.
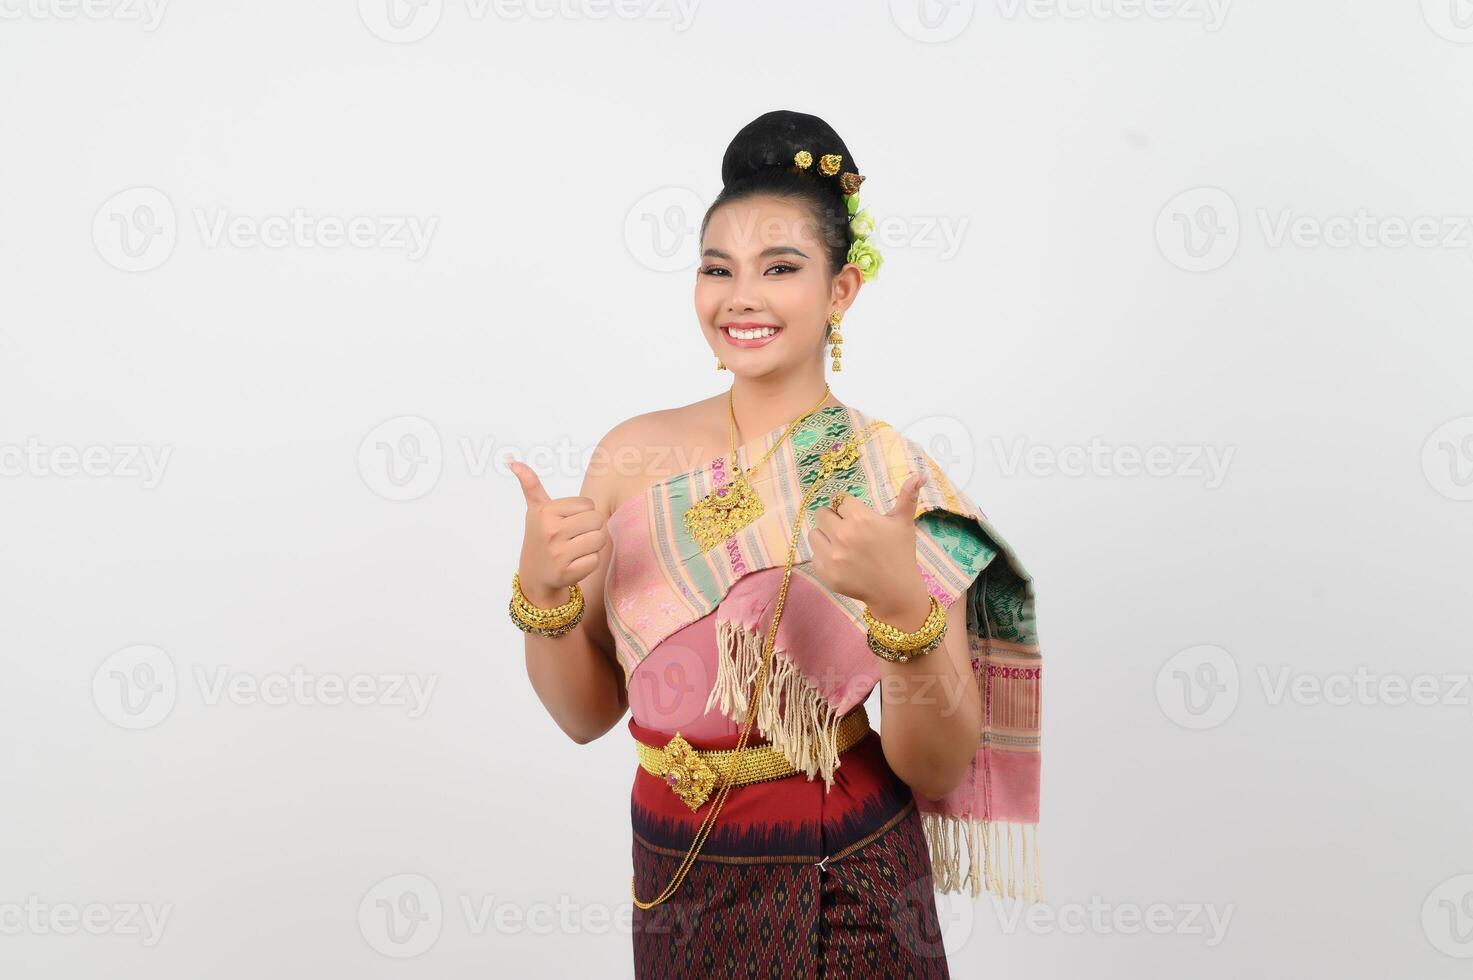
694 774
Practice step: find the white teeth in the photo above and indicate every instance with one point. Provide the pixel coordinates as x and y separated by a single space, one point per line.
755 333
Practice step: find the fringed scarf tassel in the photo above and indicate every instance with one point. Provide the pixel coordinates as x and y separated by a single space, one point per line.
807 732
978 846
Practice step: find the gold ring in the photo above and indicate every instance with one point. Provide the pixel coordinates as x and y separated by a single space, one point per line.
839 498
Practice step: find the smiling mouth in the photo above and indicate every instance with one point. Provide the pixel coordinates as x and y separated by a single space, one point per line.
749 336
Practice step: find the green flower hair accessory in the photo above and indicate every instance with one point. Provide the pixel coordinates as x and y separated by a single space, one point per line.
861 223
863 254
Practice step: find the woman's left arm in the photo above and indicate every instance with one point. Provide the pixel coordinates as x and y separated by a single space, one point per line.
931 721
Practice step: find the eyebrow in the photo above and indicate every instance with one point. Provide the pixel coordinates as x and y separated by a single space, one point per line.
716 253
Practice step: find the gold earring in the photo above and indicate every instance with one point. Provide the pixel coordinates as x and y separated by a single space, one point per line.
720 366
835 338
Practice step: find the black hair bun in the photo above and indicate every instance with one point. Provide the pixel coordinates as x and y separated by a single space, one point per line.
774 137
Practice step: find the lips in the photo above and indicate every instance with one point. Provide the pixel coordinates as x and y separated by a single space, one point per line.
749 343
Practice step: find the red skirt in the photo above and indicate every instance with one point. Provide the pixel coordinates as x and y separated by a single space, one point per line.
791 881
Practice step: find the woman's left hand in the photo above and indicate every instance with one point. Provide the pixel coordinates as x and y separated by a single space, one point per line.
865 555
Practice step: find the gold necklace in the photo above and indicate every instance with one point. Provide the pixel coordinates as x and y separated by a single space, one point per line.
733 505
841 457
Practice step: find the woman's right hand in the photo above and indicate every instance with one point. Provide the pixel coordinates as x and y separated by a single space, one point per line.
561 541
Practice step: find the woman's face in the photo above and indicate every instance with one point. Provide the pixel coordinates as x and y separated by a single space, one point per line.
763 287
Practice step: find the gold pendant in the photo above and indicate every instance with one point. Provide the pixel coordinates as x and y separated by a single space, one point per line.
723 512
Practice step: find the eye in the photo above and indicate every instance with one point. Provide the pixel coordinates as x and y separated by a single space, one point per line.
784 265
712 270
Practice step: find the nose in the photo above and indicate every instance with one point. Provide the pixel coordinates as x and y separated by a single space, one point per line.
744 294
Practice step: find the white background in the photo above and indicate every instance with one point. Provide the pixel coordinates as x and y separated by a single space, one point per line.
1120 184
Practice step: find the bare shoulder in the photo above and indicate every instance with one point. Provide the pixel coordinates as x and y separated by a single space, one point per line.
644 449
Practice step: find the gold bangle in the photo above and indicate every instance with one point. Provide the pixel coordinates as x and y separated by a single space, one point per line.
897 645
542 620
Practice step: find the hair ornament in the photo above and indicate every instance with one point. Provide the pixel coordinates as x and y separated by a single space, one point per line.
861 223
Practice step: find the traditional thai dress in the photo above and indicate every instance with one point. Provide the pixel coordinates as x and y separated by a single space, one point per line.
829 871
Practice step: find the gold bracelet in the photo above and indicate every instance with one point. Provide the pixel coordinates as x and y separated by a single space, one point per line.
545 621
898 646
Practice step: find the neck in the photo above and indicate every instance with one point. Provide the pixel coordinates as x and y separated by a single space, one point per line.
765 403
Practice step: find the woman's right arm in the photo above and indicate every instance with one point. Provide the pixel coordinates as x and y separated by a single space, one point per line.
576 676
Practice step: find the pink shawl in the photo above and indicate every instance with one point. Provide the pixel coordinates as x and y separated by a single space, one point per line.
984 833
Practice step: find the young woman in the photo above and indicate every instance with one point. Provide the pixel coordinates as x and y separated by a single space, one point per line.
740 573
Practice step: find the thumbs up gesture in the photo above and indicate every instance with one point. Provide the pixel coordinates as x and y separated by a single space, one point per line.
561 541
865 555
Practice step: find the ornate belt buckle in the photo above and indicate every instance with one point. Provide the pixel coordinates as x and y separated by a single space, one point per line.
686 772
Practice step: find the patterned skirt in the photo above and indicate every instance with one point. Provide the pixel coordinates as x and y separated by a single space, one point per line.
792 881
